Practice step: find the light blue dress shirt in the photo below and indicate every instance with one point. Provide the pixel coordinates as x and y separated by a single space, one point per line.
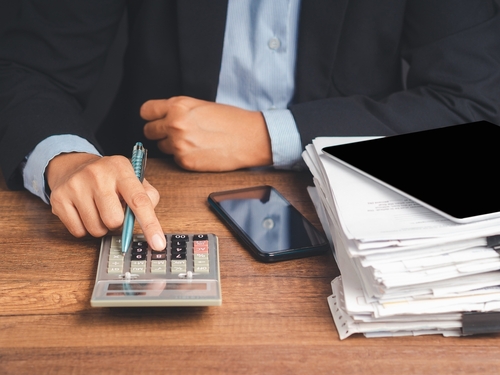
257 73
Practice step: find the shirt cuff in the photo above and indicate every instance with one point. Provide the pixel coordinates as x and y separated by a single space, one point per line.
285 139
43 153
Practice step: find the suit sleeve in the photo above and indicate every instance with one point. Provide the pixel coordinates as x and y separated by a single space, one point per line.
453 52
50 59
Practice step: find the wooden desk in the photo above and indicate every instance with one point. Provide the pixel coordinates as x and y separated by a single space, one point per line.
274 318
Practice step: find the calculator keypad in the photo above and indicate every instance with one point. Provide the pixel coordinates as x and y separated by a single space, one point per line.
184 256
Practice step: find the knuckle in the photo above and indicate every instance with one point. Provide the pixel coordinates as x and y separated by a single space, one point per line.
56 201
178 126
141 199
76 230
182 103
112 221
186 163
111 166
98 231
92 170
118 160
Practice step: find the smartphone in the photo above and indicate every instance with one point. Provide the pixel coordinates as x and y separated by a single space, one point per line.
267 224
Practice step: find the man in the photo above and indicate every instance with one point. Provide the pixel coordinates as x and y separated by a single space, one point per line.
224 85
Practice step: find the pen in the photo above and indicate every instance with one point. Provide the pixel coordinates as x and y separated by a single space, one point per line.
139 157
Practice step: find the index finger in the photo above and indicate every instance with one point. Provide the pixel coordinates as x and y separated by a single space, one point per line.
154 109
141 205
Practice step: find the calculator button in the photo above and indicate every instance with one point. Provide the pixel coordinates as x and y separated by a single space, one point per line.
201 262
158 266
178 243
115 270
178 266
115 263
179 250
179 256
201 269
200 243
159 263
159 270
200 256
176 262
158 256
139 244
200 250
116 241
116 251
138 269
181 237
200 237
138 256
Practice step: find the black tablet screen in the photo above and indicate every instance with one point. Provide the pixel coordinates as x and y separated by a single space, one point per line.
452 169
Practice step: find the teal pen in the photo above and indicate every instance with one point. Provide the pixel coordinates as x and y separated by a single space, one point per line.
139 157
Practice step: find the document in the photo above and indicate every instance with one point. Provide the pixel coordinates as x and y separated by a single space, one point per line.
405 270
370 212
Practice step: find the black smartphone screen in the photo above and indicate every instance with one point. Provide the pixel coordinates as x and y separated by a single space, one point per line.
268 224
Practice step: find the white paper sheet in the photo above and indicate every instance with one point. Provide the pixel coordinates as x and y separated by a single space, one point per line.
405 269
371 212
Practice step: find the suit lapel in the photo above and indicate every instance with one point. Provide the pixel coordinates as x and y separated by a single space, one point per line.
201 35
319 32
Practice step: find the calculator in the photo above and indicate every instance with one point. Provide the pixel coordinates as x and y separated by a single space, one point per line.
185 273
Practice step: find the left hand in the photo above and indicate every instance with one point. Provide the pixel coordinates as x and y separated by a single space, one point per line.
207 137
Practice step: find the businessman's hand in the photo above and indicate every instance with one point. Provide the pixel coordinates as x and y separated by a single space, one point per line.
88 193
207 137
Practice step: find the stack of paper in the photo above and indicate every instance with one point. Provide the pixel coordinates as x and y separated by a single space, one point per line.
405 270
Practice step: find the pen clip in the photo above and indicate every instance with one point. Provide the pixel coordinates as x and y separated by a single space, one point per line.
143 164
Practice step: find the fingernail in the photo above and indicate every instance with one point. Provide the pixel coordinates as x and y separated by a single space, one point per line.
158 242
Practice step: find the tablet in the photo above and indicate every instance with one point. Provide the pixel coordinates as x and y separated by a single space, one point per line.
452 170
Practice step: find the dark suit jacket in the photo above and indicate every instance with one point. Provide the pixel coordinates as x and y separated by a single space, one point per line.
348 76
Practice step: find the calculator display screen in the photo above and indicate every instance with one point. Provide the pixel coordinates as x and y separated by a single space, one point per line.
156 286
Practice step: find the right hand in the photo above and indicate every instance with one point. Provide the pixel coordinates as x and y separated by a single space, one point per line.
88 192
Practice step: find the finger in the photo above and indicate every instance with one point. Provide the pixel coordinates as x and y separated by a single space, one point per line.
79 217
70 218
167 146
154 109
110 209
141 205
153 194
91 219
156 130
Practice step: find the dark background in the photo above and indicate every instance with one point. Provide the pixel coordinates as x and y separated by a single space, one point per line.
106 88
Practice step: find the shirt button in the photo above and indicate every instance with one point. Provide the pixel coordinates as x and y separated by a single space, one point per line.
35 187
274 43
